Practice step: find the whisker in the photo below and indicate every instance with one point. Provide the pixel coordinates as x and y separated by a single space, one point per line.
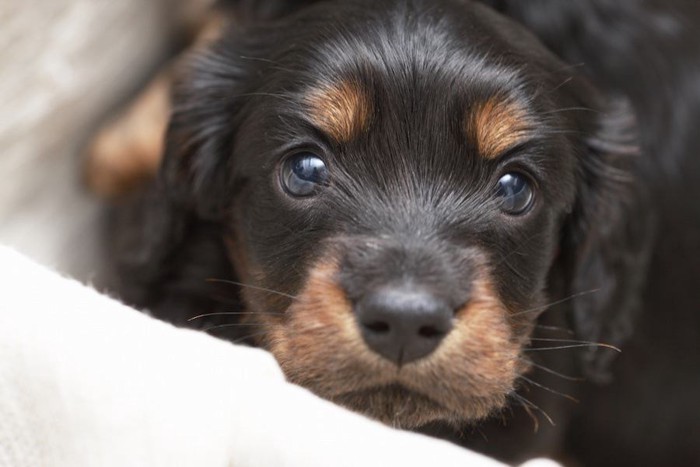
571 341
255 334
223 313
571 66
535 420
254 287
563 83
463 435
259 59
553 391
513 269
525 401
563 300
571 109
552 372
515 250
574 346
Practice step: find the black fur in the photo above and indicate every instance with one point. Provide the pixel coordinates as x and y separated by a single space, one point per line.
615 234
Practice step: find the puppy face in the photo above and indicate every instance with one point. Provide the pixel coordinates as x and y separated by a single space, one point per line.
393 180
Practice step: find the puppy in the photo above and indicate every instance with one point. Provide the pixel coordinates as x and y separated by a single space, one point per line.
433 217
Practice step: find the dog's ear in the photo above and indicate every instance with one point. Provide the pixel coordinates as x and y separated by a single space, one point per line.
207 98
262 10
168 237
606 240
164 257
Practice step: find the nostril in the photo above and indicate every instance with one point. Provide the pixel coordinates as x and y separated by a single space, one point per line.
430 332
378 327
403 324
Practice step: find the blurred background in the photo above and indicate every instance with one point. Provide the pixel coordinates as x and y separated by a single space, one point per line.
66 66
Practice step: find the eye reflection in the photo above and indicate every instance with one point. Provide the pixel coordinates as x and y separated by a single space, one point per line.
515 193
303 173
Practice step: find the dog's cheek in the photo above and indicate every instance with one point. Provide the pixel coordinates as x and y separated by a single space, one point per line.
480 360
317 340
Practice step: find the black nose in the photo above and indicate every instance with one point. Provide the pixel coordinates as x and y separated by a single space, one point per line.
403 324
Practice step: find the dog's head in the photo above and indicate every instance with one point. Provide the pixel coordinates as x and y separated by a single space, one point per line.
402 188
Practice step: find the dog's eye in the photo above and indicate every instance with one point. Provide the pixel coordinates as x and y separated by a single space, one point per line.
302 173
515 192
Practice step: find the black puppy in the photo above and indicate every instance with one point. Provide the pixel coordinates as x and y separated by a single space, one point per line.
429 216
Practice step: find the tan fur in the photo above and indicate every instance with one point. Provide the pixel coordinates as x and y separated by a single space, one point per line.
497 125
318 344
341 110
127 151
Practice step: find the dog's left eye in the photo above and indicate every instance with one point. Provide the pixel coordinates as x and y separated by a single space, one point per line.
302 173
515 193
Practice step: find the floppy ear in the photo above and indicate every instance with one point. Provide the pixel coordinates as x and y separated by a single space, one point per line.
169 239
607 239
208 98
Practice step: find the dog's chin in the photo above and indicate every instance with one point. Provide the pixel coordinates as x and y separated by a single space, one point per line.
401 407
395 405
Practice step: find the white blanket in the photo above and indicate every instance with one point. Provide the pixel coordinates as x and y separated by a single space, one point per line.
87 381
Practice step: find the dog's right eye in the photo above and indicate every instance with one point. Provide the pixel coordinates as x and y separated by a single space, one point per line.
302 173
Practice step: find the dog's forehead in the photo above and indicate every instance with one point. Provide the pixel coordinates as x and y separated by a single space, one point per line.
492 120
409 78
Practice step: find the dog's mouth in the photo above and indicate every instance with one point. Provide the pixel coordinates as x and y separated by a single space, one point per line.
459 383
317 342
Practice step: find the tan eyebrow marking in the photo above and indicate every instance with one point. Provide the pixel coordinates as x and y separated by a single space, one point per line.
496 125
342 110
